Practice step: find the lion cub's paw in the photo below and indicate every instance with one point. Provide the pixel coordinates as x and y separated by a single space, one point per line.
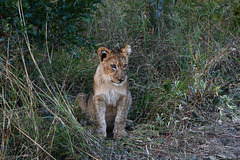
119 134
101 134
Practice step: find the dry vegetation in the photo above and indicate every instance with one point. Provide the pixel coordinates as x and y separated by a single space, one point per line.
184 76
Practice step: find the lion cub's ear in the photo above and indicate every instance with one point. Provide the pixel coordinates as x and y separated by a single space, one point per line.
127 50
102 53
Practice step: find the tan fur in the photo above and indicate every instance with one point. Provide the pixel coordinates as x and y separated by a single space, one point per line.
110 102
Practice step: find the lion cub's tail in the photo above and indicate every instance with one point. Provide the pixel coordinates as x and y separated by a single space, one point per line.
81 101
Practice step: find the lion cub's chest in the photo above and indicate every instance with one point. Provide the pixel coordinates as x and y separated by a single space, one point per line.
111 97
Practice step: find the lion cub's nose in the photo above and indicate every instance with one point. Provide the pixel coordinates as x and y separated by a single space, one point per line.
121 80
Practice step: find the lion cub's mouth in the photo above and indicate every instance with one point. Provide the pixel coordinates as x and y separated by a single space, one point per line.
117 83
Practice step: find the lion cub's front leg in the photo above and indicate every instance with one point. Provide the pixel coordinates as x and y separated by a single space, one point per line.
121 117
100 108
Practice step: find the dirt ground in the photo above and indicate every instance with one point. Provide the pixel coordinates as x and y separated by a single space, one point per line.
209 141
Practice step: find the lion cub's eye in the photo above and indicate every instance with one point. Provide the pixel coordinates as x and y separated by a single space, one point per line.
125 66
114 66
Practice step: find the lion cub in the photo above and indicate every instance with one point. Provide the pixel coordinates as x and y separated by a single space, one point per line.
109 104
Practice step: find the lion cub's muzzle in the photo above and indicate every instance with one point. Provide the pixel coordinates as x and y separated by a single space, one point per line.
118 81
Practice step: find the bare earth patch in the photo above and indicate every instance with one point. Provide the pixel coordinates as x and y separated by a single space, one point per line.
210 141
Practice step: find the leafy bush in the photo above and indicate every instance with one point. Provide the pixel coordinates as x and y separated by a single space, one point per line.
58 22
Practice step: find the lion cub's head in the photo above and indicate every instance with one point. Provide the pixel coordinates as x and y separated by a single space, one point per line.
115 63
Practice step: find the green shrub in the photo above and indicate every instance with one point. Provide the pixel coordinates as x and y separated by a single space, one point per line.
58 22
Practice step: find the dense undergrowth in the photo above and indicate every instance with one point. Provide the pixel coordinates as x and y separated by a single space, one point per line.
184 73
